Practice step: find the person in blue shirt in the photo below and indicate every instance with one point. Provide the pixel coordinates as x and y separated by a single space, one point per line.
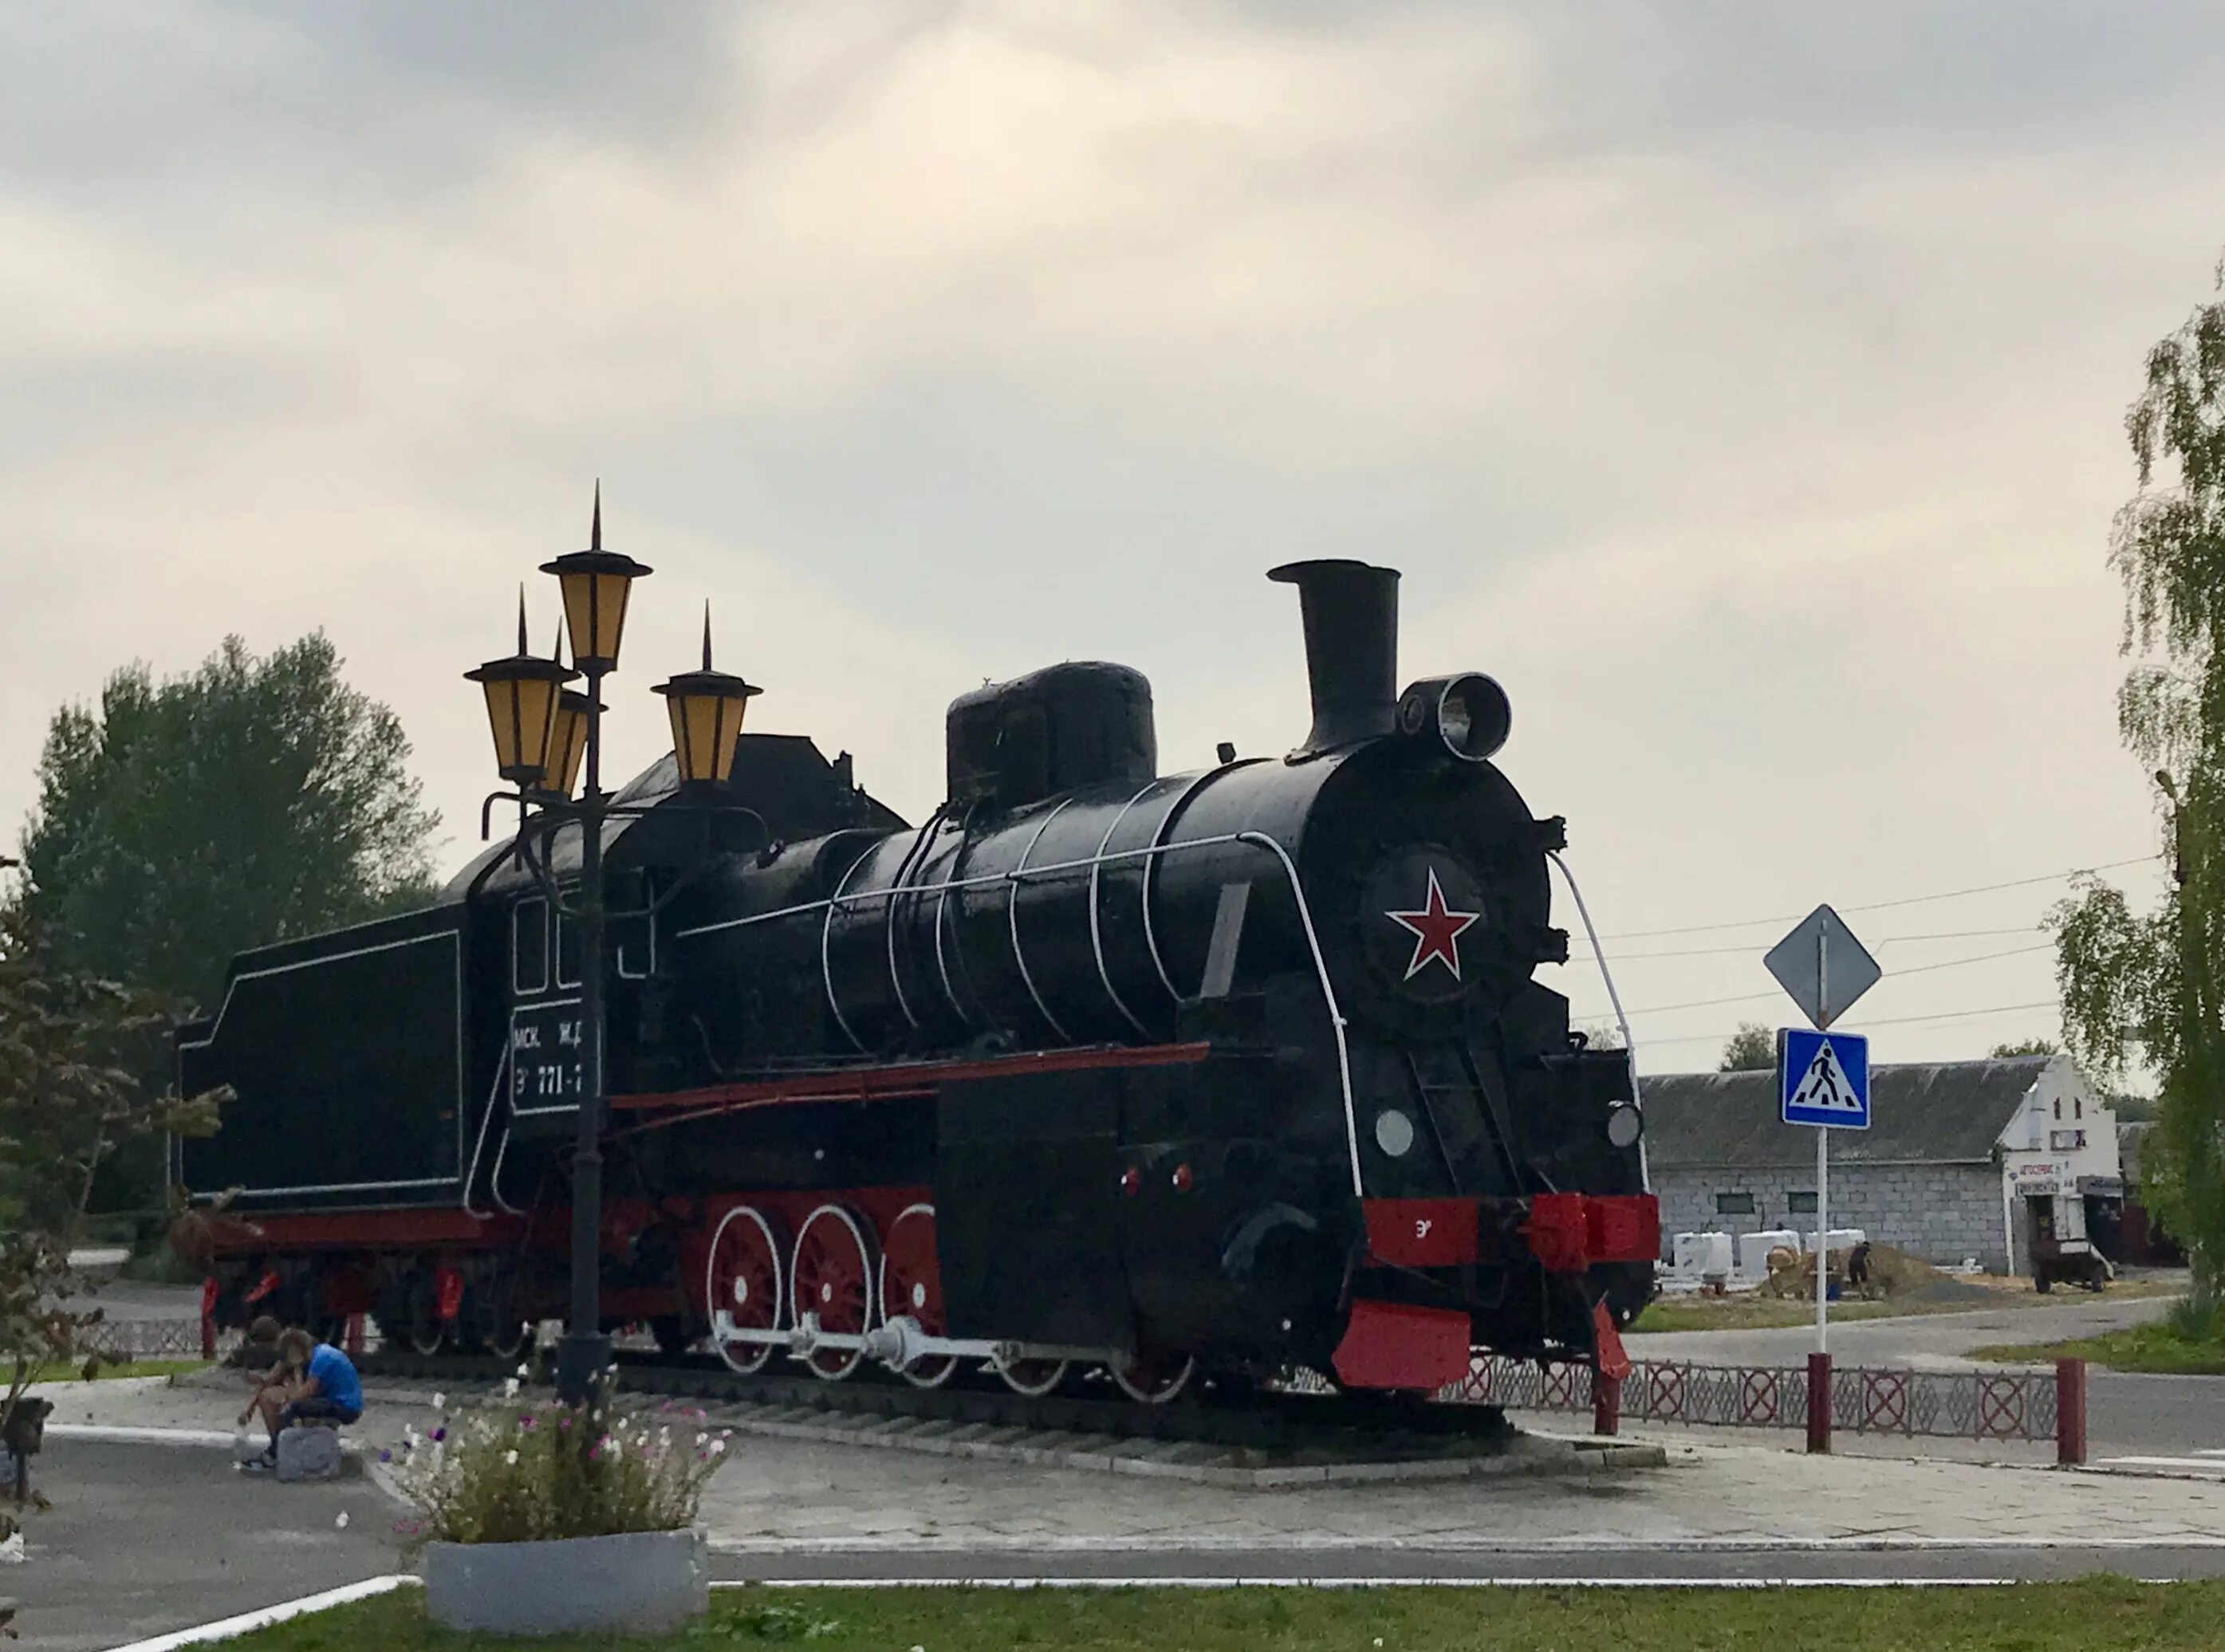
314 1382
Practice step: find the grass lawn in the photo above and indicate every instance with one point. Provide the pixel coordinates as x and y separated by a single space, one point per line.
2026 1618
2159 1348
1753 1311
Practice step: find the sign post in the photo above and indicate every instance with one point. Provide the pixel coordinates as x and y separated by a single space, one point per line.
1823 1168
1822 1078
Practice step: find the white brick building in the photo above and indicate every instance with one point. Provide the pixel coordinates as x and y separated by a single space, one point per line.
1936 1174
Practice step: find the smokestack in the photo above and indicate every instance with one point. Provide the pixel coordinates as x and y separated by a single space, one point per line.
1350 614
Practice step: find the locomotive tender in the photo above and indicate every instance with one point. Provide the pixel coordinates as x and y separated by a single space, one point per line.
1242 1069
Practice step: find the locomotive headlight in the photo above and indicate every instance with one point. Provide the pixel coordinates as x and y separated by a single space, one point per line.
1625 1124
1470 713
1394 1132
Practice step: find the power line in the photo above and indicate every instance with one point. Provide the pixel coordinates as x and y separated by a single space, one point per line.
1746 948
1896 1021
1881 906
1921 969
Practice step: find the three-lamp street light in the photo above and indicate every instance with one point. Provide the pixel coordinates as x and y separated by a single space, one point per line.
543 732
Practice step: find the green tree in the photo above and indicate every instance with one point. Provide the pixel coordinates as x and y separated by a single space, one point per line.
1600 1035
2027 1046
69 1099
250 801
1752 1046
2151 987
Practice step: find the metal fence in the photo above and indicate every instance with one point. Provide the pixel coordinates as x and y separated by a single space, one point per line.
1964 1405
2036 1404
152 1340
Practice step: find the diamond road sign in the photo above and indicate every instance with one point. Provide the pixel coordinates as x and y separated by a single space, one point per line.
1822 966
1824 1078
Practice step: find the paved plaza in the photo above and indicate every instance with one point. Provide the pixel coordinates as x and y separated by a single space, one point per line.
146 1537
801 1494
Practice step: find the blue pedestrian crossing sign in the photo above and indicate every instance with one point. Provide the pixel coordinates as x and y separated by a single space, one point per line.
1824 1078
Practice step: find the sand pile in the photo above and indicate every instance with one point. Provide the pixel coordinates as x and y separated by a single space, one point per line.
1893 1272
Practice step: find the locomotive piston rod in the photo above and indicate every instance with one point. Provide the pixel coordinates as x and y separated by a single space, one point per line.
901 1343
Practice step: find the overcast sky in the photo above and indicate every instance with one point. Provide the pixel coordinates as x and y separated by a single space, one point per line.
1741 384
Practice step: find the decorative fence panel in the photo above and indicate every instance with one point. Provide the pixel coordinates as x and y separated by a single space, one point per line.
1965 1405
151 1339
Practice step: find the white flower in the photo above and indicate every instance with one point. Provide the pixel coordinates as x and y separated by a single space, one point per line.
510 1389
510 1457
439 1399
718 1445
701 1437
342 1521
523 1370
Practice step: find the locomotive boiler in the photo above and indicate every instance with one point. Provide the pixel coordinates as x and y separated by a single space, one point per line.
1097 1069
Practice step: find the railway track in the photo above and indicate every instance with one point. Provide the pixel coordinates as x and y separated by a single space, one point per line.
1269 1425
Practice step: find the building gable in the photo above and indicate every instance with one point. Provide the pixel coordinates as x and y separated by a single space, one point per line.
1942 1112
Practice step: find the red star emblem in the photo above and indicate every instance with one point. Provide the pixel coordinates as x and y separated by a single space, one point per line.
1437 931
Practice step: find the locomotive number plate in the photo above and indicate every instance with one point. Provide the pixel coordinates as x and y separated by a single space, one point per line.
547 1073
1421 1232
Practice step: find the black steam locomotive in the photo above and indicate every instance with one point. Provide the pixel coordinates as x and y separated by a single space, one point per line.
1098 1068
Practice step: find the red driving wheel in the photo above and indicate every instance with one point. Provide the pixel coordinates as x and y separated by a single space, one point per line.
911 1283
831 1279
743 1284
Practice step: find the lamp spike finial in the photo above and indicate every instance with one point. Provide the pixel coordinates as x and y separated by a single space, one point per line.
707 635
595 535
556 652
520 617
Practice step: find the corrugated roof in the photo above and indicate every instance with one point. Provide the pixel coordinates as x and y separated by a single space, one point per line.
1941 1112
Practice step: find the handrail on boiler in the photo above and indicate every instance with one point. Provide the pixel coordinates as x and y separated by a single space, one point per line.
1023 873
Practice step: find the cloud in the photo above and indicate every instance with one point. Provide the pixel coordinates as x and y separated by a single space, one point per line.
1743 390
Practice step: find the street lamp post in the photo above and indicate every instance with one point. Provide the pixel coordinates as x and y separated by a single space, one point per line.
543 731
596 584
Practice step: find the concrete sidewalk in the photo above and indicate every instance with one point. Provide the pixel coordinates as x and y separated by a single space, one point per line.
799 1495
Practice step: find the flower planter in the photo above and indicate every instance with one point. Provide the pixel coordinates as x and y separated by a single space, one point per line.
635 1583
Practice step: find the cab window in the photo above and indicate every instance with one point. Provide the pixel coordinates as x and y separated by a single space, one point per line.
568 951
528 947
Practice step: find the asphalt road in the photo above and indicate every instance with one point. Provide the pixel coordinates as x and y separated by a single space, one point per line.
146 1539
2176 1419
126 1299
